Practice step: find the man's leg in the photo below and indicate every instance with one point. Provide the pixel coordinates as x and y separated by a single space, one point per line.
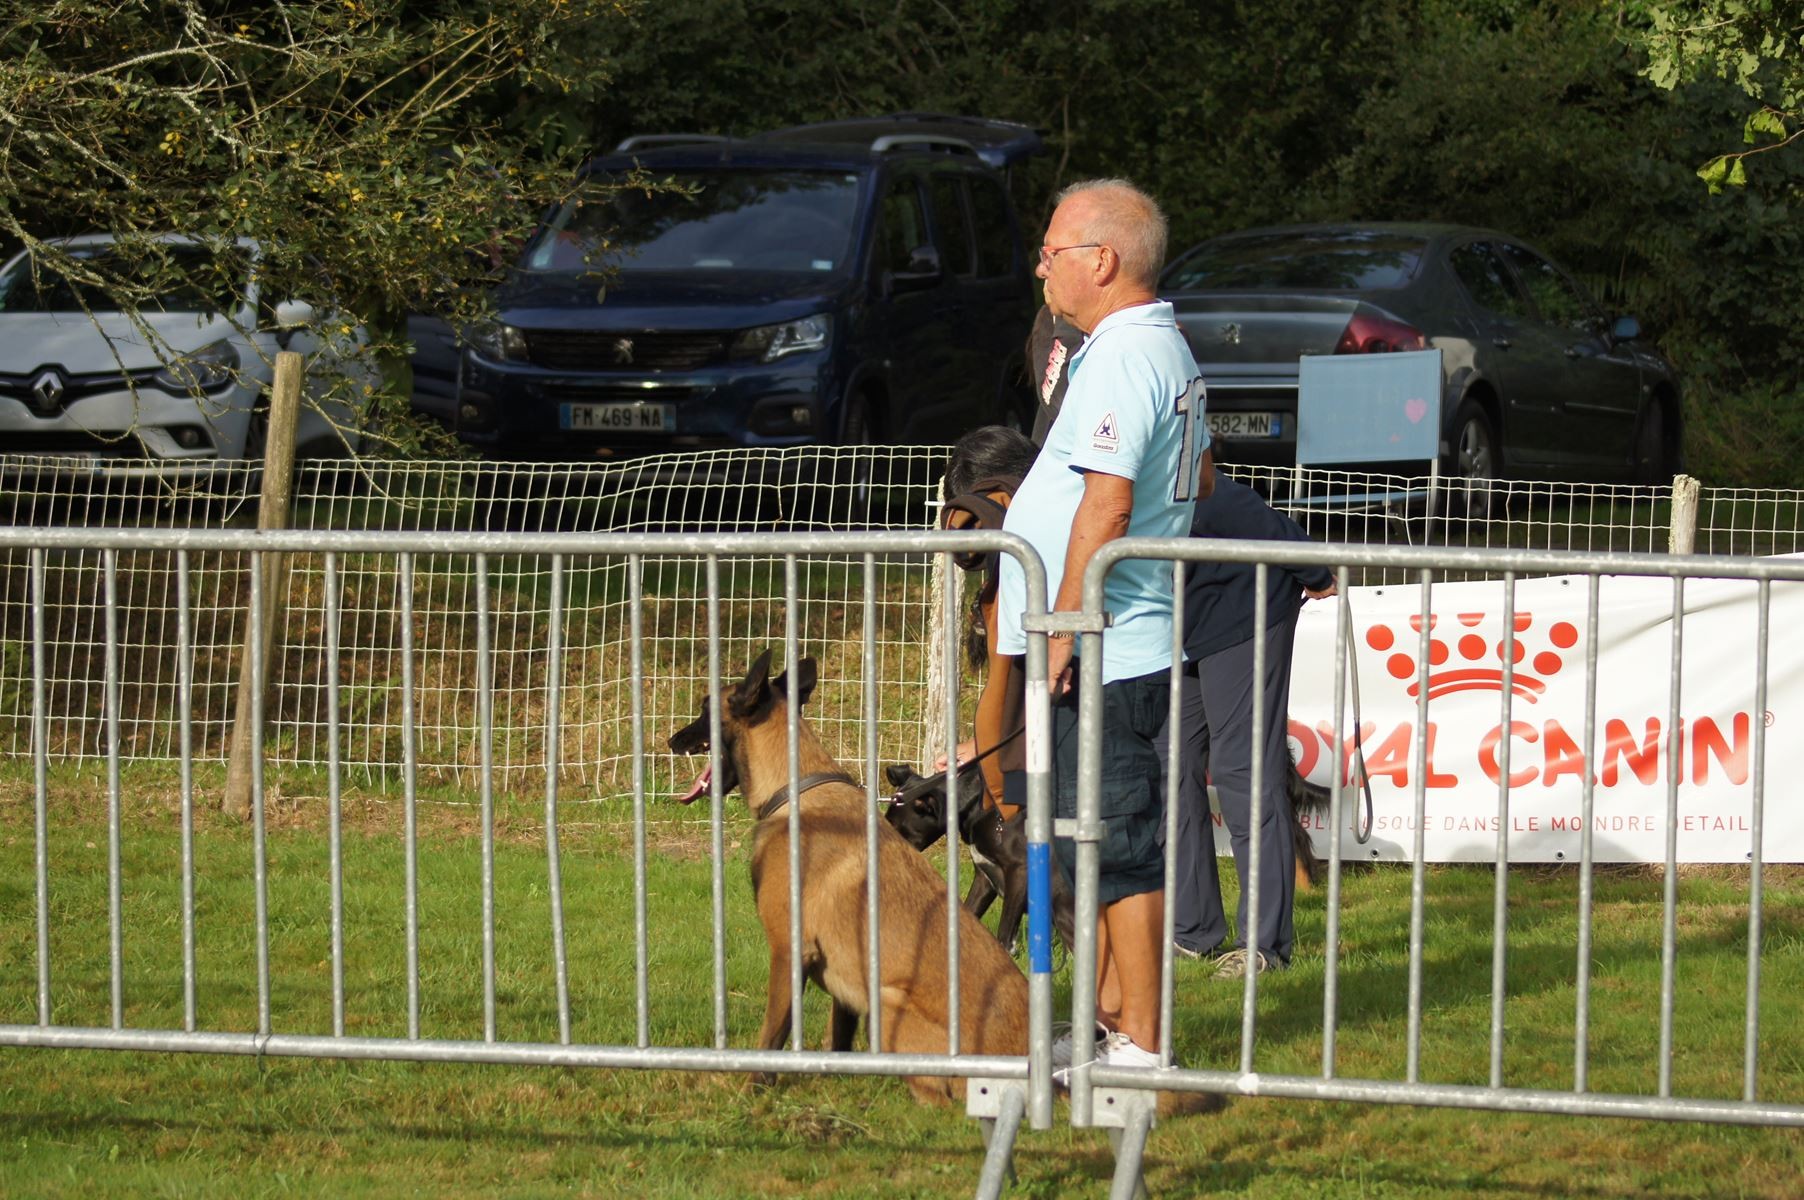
1199 923
1135 932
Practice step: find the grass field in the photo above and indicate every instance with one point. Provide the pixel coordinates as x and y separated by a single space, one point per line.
96 1124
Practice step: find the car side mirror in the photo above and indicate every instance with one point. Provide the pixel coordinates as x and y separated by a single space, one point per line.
289 316
924 270
1626 329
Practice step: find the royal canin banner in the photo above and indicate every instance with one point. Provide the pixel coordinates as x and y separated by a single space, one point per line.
1632 760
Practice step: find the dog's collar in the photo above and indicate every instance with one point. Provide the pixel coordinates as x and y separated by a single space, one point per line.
780 797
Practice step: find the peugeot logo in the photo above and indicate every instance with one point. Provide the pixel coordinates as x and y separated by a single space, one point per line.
48 388
1230 333
623 351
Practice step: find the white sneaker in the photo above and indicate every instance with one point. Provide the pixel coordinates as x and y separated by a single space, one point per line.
1063 1045
1120 1050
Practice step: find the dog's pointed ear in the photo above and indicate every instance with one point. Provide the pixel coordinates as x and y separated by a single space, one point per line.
898 774
806 678
754 692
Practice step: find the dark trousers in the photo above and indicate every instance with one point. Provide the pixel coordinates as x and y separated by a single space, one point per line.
1215 717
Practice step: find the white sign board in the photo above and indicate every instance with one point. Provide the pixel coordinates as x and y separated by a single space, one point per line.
1634 757
1354 408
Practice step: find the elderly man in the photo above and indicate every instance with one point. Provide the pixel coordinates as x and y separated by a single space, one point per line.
1125 457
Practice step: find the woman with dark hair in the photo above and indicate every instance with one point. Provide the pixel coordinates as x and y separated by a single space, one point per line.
986 467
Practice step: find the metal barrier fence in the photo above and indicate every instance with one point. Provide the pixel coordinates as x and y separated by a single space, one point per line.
1001 1091
1121 1097
795 490
1006 1089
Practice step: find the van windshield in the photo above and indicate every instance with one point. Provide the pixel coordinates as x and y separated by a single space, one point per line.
721 220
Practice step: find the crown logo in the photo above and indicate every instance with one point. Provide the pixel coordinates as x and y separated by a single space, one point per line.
1473 651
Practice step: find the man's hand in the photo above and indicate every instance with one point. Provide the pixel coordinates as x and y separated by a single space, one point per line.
1058 665
967 750
1326 592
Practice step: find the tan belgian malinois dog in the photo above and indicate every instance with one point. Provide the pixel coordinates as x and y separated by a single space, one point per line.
754 757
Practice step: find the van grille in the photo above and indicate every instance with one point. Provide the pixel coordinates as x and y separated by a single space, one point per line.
585 350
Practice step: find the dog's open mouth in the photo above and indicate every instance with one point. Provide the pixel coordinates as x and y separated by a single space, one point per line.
699 786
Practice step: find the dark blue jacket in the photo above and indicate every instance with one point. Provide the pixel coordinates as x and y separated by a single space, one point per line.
1219 597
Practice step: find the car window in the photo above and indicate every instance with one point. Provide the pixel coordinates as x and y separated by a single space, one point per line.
903 228
1321 260
995 243
157 277
953 224
716 220
1487 280
1560 303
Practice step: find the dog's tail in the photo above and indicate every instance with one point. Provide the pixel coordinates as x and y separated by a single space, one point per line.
1312 798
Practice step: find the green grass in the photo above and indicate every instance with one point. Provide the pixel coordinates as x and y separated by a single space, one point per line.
114 1124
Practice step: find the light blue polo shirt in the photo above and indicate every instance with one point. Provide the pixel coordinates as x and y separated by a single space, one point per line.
1134 409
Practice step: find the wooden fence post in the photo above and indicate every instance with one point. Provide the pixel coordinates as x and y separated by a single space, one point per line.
272 513
1683 534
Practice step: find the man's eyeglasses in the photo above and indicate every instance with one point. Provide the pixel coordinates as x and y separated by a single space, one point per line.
1048 253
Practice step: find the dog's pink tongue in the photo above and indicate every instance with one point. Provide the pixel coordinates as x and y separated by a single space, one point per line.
698 787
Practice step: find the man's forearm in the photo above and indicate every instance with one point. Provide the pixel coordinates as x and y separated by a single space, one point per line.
1102 516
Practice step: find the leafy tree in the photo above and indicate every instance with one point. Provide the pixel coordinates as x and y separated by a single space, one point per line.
1756 44
385 154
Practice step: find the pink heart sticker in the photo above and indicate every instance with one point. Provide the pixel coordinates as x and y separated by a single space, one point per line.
1415 409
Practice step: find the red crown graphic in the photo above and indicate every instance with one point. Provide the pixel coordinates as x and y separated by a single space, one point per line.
1473 649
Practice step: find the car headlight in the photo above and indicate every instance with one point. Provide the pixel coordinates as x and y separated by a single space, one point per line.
207 369
498 342
767 343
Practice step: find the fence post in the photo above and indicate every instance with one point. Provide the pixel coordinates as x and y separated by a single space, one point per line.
272 513
939 688
1683 534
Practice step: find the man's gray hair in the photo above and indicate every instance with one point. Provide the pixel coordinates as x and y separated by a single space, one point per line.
1129 222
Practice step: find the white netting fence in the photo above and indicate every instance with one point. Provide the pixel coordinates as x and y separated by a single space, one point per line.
728 491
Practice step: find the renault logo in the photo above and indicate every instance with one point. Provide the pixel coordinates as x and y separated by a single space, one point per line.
623 351
48 388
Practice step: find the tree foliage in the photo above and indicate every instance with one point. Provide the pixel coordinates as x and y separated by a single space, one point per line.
1758 45
383 153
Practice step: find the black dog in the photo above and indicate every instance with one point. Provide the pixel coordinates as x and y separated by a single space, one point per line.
917 811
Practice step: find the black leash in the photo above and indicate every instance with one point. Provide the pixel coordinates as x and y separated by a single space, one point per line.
1359 754
927 783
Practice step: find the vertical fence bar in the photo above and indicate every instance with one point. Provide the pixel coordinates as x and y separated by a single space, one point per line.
1500 895
40 753
1088 854
716 811
554 707
953 907
635 566
793 705
1249 1006
1669 934
335 797
110 699
410 786
1337 791
1418 880
1038 735
1581 1053
184 668
1757 850
873 897
1174 764
260 828
485 705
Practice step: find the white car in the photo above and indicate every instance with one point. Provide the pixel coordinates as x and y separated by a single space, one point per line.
186 381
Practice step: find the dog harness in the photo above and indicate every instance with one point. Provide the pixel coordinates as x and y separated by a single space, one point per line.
780 797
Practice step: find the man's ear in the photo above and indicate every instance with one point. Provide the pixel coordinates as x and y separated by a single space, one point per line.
805 681
754 692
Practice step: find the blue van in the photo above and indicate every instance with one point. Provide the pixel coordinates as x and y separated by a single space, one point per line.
855 283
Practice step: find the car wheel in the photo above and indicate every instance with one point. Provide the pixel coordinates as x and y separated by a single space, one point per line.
1651 467
1477 460
861 474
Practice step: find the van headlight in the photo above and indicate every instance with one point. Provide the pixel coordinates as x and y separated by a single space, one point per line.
207 369
767 343
498 342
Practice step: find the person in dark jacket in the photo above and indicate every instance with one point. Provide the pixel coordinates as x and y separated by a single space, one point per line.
1216 731
1050 346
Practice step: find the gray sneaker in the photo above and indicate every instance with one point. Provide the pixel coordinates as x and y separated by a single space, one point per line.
1233 964
1062 1045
